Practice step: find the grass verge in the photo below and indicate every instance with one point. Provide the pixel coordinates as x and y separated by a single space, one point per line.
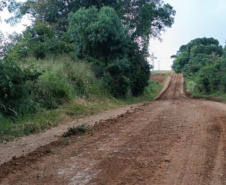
216 96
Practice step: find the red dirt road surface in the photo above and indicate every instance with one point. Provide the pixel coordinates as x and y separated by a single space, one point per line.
174 140
159 77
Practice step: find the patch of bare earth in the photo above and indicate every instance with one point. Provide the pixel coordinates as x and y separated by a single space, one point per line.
174 140
160 77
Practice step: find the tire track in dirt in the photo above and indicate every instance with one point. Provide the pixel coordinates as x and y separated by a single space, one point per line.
174 88
142 154
213 154
217 151
165 88
199 157
187 155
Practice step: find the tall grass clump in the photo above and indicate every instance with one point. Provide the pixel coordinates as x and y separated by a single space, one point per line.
52 87
62 80
83 79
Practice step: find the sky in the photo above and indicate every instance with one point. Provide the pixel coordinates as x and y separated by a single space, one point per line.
6 28
194 19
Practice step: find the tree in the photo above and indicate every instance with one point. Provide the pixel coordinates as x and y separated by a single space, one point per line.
99 34
197 48
145 18
202 62
3 4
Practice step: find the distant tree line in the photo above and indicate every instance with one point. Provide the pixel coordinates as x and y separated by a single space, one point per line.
203 63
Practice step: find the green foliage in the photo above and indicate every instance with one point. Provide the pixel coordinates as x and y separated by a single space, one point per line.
195 50
41 40
52 89
202 63
12 86
99 34
180 61
208 79
153 15
150 18
83 79
139 75
38 40
105 30
116 78
44 85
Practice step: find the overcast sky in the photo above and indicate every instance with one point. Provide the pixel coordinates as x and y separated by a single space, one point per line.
6 28
194 18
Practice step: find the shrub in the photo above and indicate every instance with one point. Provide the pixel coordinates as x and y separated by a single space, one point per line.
12 86
116 77
40 51
81 77
52 87
208 79
140 74
118 87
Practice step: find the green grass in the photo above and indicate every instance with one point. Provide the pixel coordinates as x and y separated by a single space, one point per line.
217 96
149 94
46 119
162 71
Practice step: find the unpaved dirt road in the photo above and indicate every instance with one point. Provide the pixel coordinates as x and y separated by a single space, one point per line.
174 140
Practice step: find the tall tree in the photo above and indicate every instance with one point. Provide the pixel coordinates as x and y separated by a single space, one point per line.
99 34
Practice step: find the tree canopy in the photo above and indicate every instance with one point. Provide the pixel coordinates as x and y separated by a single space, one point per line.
195 52
145 18
202 62
99 34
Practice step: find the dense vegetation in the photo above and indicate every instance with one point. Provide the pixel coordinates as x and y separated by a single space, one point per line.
87 49
203 63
